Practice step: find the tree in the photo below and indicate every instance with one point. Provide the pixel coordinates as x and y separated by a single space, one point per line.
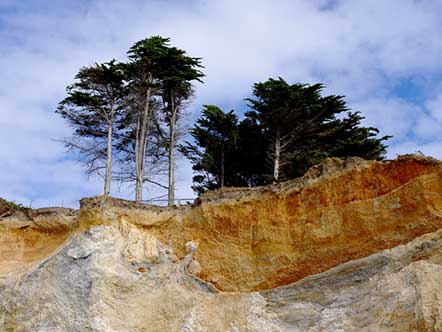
215 149
302 128
352 139
155 153
160 79
251 154
289 128
179 70
144 71
93 103
288 114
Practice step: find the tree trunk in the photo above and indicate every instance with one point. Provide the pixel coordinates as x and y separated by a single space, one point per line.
141 149
277 159
138 183
107 177
171 188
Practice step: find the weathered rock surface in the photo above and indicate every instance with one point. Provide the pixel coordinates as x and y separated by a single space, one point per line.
260 238
120 278
352 246
27 237
395 290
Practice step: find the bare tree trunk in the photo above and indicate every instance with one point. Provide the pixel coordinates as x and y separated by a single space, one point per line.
107 177
171 188
138 184
277 159
140 152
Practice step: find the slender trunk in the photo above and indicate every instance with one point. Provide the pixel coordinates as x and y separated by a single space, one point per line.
171 189
107 177
138 184
277 159
141 149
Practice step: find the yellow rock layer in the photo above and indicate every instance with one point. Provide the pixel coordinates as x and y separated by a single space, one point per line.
31 236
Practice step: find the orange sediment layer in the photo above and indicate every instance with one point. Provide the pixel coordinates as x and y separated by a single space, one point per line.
277 237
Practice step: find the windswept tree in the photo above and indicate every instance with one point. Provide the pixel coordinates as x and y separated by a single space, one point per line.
347 137
289 114
302 127
92 107
160 86
289 128
178 72
214 150
154 168
144 70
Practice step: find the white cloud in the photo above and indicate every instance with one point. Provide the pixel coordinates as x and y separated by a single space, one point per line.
427 129
435 108
358 48
392 116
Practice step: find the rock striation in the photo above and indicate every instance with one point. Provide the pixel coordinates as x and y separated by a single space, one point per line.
351 246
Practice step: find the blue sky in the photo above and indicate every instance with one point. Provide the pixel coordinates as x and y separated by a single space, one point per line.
384 56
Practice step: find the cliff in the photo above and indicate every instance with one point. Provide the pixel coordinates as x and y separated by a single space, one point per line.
351 246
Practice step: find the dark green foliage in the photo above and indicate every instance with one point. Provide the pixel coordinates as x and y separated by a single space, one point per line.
291 123
309 127
178 70
93 105
88 105
154 63
159 80
214 154
251 153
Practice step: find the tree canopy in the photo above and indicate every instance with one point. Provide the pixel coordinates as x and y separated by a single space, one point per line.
126 119
93 106
288 128
215 150
132 110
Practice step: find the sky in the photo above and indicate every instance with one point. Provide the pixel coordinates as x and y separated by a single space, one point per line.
384 56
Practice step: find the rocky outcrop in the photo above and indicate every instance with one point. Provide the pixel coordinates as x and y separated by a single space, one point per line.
260 238
394 290
120 278
351 246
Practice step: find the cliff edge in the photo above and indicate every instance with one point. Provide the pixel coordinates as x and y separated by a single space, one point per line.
351 246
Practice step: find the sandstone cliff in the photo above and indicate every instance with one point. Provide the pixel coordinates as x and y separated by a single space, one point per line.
351 246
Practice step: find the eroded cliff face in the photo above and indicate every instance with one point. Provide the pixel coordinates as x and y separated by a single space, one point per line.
351 246
255 239
28 237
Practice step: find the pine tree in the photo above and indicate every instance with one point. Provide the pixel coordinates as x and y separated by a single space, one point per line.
160 85
93 104
289 128
178 71
302 127
215 148
144 71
